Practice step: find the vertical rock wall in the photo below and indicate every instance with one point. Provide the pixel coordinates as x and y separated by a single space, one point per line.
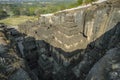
73 40
74 28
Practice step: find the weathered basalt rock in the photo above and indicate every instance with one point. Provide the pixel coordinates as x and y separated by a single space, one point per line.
20 75
75 28
66 45
11 65
107 68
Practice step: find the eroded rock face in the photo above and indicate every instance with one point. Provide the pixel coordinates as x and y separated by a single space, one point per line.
75 39
75 28
107 68
11 65
101 46
66 45
20 75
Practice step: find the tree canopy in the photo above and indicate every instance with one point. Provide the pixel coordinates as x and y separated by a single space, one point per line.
3 14
85 1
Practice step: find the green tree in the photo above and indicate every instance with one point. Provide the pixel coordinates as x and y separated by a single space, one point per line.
80 1
3 14
16 11
32 11
88 1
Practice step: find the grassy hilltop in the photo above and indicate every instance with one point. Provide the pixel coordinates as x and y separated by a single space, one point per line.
15 12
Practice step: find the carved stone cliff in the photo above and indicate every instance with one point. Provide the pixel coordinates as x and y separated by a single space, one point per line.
74 28
65 45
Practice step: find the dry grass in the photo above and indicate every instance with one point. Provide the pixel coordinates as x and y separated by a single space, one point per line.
14 21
